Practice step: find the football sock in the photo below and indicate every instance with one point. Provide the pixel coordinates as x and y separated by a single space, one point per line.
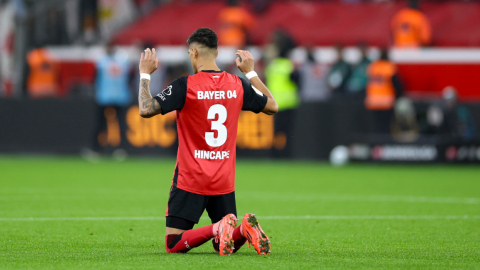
182 243
215 228
238 238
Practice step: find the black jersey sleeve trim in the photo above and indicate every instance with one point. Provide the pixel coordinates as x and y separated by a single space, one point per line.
253 100
173 97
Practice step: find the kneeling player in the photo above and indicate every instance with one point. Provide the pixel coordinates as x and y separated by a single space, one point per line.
208 105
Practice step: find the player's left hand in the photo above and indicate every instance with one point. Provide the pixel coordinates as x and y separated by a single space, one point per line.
246 64
148 61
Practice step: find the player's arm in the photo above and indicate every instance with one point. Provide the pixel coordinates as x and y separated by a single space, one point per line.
246 65
148 106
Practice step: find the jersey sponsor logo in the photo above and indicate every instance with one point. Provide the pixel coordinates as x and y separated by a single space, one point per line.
202 154
166 92
217 94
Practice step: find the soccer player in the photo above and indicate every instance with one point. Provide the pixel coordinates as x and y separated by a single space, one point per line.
208 105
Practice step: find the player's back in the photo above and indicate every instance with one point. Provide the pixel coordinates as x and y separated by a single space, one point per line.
207 133
208 105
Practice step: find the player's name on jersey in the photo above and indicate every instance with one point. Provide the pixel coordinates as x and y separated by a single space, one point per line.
202 154
216 94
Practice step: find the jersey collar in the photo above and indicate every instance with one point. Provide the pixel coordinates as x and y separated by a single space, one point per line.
211 71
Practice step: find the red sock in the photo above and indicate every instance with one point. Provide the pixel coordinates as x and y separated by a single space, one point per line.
189 239
238 238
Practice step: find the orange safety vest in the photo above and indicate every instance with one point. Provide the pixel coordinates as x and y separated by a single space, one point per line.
234 22
380 90
42 80
410 28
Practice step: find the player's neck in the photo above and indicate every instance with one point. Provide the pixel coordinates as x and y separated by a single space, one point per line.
207 66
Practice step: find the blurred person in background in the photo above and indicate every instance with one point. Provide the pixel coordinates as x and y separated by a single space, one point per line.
404 126
339 72
410 27
112 97
281 43
313 83
358 80
89 21
235 23
459 124
383 88
43 77
282 80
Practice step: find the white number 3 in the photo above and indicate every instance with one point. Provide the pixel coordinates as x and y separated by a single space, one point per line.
217 125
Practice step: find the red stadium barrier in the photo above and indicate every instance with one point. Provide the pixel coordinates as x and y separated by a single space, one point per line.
75 73
430 79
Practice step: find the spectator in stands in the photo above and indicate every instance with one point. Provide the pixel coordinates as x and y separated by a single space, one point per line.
339 72
458 121
382 89
112 97
88 17
43 78
410 27
235 23
282 80
358 80
313 83
281 43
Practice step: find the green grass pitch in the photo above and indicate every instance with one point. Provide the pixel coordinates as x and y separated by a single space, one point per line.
66 213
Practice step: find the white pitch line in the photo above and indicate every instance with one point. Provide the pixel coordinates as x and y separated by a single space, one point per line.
80 218
372 217
289 197
357 198
392 217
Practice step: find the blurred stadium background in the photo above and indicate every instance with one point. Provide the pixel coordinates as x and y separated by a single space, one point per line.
419 104
359 81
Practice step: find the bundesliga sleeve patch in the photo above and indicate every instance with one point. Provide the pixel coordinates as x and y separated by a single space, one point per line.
166 92
257 91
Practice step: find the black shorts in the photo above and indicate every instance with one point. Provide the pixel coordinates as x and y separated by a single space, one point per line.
184 208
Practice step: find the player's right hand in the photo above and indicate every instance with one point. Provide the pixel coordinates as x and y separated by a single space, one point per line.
247 63
148 61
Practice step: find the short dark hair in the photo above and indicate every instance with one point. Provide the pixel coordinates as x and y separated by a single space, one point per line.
204 36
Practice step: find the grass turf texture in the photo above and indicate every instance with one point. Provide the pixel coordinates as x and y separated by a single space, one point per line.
362 216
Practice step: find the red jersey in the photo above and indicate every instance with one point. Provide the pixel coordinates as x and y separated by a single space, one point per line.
208 105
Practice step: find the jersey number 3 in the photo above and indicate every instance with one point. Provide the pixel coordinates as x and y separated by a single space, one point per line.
217 125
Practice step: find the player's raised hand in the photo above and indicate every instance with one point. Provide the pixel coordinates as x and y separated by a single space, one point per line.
245 61
148 61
